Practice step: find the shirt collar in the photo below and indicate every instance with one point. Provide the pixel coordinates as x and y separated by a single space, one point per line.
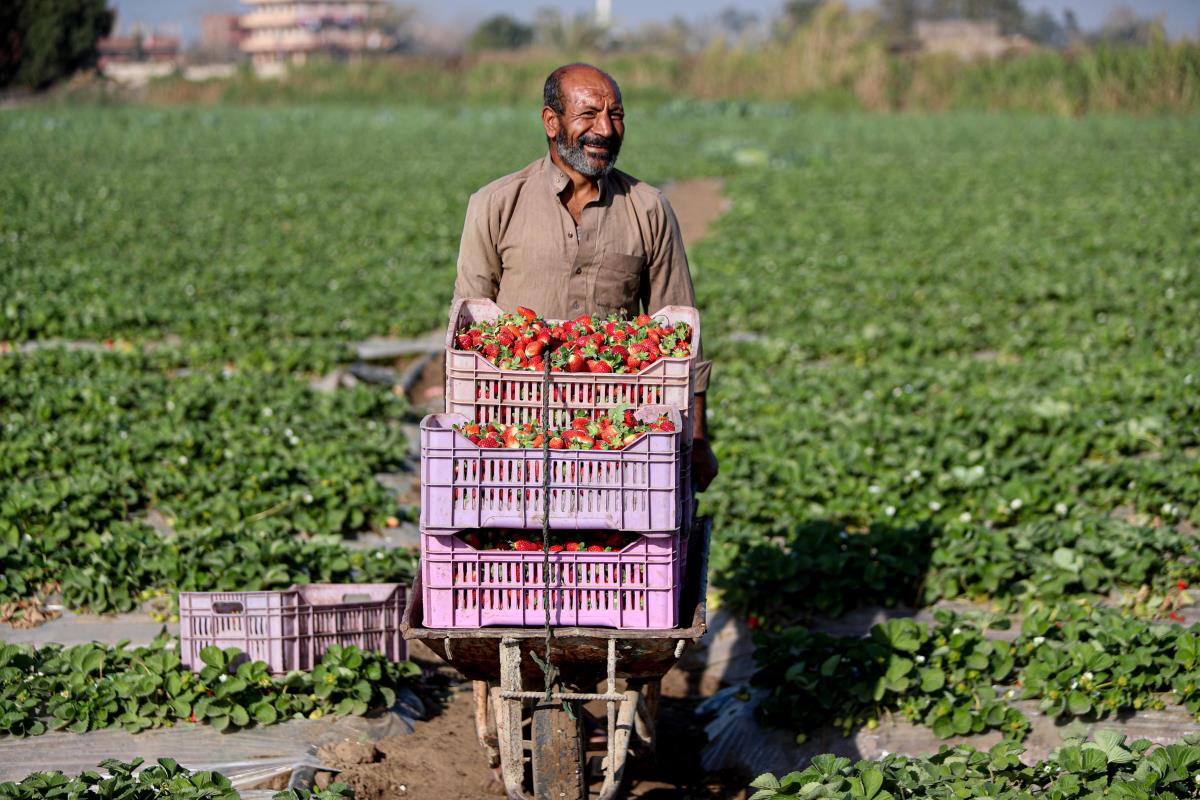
558 179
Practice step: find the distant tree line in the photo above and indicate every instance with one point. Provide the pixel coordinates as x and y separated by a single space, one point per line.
897 21
43 41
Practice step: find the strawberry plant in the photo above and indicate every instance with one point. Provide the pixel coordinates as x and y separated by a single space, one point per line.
1105 766
165 780
941 676
90 687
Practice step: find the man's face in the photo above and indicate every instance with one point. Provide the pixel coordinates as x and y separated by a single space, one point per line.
589 132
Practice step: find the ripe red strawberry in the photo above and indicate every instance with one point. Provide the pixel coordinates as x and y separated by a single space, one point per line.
526 313
595 548
534 348
574 547
580 423
599 366
556 548
525 546
666 425
489 441
643 320
505 339
557 443
630 419
491 350
576 363
464 341
573 437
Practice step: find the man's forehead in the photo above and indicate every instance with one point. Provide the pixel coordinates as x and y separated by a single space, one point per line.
589 87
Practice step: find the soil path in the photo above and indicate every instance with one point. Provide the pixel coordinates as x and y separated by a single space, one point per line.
697 203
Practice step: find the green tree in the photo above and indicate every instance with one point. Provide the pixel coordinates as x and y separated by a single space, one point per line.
500 32
43 41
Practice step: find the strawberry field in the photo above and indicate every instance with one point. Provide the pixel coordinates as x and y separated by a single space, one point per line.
957 361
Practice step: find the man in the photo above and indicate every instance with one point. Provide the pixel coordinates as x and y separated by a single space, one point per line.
571 235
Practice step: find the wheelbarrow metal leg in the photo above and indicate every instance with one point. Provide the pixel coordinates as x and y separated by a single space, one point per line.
645 723
508 720
485 723
614 774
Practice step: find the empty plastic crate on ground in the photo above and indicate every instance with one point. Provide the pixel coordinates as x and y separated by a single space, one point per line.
481 391
292 629
633 489
637 587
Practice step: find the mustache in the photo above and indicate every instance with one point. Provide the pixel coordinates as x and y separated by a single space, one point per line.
596 140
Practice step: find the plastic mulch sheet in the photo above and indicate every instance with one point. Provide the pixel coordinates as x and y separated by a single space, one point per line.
247 757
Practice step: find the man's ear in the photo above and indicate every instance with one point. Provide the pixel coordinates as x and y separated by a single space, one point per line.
550 122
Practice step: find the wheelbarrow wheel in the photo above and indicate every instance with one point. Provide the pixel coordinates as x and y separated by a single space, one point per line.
558 752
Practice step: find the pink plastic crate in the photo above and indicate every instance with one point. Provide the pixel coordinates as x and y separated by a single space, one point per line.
480 390
291 629
634 489
467 588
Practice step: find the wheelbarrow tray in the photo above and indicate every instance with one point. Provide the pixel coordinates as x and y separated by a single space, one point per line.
580 653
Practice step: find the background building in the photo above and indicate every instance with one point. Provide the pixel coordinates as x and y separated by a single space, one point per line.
290 30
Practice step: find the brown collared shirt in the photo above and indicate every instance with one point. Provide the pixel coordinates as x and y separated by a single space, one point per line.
520 246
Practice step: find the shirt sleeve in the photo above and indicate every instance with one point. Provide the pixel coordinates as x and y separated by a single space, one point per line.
478 260
668 280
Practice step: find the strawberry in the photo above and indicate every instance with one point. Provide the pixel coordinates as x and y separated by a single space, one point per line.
580 423
556 548
630 419
643 320
665 425
534 348
526 313
526 546
464 341
599 366
557 443
574 547
576 363
504 339
595 548
490 351
489 441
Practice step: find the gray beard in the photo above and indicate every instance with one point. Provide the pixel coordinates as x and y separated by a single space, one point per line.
578 160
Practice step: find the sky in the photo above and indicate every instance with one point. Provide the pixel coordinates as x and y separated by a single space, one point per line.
1182 16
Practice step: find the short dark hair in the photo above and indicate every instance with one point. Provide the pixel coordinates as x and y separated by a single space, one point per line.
552 90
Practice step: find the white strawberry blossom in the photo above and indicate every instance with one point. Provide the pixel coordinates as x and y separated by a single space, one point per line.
935 506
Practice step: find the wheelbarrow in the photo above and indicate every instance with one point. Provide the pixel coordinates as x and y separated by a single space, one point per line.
537 740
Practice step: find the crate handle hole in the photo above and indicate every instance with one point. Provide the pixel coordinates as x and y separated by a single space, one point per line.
228 607
356 598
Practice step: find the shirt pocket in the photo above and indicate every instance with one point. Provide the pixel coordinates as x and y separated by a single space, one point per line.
618 283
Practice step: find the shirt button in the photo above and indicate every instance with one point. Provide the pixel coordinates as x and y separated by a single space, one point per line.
570 236
578 270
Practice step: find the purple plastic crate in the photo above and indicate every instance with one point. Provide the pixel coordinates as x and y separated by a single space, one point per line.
481 391
636 588
634 489
292 629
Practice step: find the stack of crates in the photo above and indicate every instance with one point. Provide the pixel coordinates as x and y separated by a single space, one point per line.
644 489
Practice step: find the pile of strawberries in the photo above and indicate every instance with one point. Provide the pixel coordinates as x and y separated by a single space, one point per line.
615 430
530 541
584 344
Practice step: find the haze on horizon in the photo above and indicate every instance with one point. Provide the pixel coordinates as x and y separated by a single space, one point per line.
1181 17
